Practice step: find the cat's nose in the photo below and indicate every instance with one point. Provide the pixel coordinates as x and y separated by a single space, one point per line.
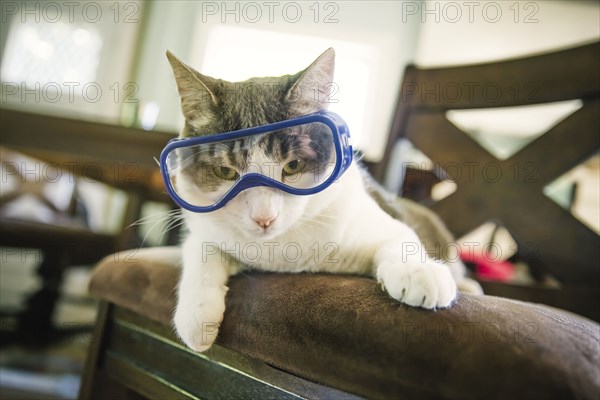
264 222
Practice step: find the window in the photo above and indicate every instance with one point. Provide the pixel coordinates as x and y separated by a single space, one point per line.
42 53
72 62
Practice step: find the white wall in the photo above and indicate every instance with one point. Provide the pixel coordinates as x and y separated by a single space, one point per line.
472 34
169 25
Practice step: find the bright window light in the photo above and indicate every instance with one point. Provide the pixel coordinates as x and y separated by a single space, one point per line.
41 53
236 54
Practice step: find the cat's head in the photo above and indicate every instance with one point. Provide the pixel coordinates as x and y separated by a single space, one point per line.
211 106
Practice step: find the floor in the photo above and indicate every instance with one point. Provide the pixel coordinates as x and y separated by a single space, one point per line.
51 370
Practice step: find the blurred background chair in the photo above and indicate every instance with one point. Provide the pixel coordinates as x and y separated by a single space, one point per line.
54 156
508 188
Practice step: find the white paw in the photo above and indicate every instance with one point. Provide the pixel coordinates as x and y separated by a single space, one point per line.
428 285
197 320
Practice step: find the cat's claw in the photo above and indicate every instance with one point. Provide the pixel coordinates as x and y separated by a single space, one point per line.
428 285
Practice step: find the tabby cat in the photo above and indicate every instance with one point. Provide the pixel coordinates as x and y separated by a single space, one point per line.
352 227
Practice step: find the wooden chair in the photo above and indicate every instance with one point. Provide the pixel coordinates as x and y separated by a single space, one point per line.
324 336
118 156
550 239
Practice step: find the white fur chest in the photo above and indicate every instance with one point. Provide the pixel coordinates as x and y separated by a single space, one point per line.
320 250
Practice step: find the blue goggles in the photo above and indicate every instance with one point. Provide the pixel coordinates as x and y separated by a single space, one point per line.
300 156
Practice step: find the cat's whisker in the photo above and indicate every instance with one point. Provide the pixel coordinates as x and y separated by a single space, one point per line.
167 222
321 219
152 219
174 211
172 224
170 228
149 232
164 218
309 227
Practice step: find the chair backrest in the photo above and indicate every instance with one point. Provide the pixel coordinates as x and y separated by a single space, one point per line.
121 157
547 235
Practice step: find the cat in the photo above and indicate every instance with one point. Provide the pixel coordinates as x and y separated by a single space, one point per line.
352 227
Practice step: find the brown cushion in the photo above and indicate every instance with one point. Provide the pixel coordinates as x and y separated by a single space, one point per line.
345 332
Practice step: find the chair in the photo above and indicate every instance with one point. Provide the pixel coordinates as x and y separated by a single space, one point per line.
117 156
549 238
322 336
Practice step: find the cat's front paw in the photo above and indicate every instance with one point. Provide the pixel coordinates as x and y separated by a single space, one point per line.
197 320
428 285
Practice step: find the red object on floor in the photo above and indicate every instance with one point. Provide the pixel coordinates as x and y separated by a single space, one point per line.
487 268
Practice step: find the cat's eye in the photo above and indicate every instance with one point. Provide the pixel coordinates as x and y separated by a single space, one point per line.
293 167
226 173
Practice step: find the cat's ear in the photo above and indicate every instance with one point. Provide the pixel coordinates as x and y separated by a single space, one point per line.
197 92
310 92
